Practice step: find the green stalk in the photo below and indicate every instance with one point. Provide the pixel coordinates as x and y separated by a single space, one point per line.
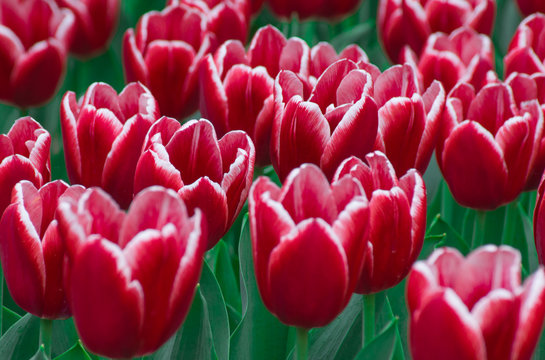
46 327
301 345
368 330
479 229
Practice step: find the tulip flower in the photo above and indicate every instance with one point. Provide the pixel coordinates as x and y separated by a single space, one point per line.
131 276
308 241
528 7
24 156
35 36
526 52
474 307
337 120
397 220
539 223
164 54
227 19
464 55
409 121
96 22
488 144
305 9
31 249
103 134
526 88
410 22
210 174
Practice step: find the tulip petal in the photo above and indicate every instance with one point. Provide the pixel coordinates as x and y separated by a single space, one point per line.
54 298
12 170
265 49
108 306
212 97
308 276
325 90
473 167
154 168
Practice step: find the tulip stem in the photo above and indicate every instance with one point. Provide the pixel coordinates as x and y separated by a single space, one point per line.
46 327
480 229
301 345
368 330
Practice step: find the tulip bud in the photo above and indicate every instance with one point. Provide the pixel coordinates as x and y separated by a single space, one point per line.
24 155
308 242
131 276
410 22
164 54
526 52
474 307
95 24
318 8
488 144
31 249
103 135
35 36
210 174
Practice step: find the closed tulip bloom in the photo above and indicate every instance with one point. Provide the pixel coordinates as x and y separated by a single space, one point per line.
24 154
103 134
308 241
409 119
488 144
31 249
227 19
337 120
474 307
526 88
131 276
210 174
305 9
35 36
164 54
464 55
95 25
526 52
410 22
397 220
528 7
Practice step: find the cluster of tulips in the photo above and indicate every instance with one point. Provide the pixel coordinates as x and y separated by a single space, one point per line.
121 249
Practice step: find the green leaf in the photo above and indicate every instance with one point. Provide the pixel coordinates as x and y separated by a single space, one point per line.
217 313
9 318
227 280
21 340
194 339
259 335
76 352
64 336
40 354
382 346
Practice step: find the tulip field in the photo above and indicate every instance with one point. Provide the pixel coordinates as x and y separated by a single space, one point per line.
272 179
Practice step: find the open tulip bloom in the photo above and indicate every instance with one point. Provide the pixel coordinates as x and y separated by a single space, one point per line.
474 307
130 277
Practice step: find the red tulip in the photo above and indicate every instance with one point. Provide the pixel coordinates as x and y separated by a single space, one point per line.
528 7
409 120
337 120
210 174
31 249
237 87
227 19
474 307
539 223
96 22
308 9
410 22
308 242
164 54
131 276
526 88
103 135
24 155
464 55
488 144
526 52
397 220
35 35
